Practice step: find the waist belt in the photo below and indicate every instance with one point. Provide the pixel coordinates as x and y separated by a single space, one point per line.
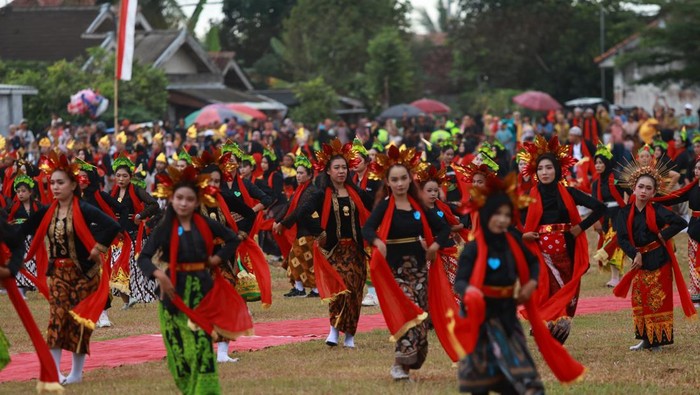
346 241
554 228
63 262
191 267
612 204
405 240
498 292
650 247
695 214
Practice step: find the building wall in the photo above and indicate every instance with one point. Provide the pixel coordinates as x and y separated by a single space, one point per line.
10 111
180 63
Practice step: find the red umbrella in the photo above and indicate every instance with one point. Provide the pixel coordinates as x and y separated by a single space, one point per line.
431 106
256 114
537 101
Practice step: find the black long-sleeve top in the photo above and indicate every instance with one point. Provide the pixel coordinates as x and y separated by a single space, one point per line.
453 192
103 228
642 235
405 224
606 195
112 202
238 209
554 211
505 275
349 226
692 196
246 223
450 242
309 225
13 238
277 187
150 208
191 249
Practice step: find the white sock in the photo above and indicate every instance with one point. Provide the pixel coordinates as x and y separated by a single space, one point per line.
349 340
333 336
315 289
76 373
222 353
56 354
371 291
299 285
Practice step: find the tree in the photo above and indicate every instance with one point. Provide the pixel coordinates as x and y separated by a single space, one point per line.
670 49
445 16
212 42
388 73
249 25
330 37
143 98
546 45
317 101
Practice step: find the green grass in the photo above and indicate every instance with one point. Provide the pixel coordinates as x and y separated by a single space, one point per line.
599 341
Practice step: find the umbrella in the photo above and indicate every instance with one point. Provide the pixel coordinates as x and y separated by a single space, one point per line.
584 102
401 110
213 113
535 100
431 106
246 110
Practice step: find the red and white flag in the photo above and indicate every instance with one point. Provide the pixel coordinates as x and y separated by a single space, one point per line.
125 41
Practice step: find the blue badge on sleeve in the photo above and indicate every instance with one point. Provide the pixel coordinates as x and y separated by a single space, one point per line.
494 263
416 215
440 213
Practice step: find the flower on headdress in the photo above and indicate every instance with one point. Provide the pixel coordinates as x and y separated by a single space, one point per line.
647 148
471 169
216 158
539 147
302 160
55 162
408 157
173 177
432 173
333 149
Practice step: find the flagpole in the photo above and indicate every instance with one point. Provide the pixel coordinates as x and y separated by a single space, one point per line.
116 70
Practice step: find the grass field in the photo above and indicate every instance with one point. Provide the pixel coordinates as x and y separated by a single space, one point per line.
599 341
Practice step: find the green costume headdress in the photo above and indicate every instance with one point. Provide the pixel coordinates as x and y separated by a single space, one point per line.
84 165
123 161
269 153
377 146
184 155
22 178
448 144
359 148
604 151
139 178
302 160
487 156
661 144
250 159
233 148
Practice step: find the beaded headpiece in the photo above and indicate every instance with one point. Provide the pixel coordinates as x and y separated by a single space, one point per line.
174 177
408 157
539 147
333 149
659 171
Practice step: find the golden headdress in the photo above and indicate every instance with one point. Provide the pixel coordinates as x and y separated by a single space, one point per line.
54 162
493 186
121 137
104 142
533 151
471 169
333 149
408 157
173 178
44 142
216 158
658 170
432 173
161 158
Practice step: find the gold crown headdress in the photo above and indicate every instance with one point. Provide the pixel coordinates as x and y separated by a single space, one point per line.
659 171
333 149
173 177
492 186
471 169
55 162
432 173
408 157
216 158
539 147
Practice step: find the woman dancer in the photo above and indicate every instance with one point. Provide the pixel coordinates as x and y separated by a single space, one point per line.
76 234
406 226
300 263
195 306
136 206
607 190
22 208
644 231
556 232
340 270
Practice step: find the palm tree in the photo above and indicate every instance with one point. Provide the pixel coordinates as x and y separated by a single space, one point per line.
445 15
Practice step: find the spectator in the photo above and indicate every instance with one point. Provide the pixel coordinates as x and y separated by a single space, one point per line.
690 121
561 127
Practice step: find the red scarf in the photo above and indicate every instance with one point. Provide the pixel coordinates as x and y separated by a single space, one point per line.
403 314
584 168
251 249
138 208
590 130
328 281
463 186
48 375
363 183
466 331
15 207
553 307
623 287
106 208
88 311
451 219
222 310
45 194
286 239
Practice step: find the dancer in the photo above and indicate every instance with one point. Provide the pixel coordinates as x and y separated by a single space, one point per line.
183 246
607 190
556 232
77 234
23 206
136 206
300 263
341 270
644 232
404 225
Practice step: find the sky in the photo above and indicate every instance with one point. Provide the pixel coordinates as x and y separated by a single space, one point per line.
213 12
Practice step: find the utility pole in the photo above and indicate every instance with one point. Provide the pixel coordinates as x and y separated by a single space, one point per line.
602 50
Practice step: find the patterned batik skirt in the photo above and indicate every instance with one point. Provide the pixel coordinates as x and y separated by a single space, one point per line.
68 286
652 305
450 261
119 281
300 263
694 270
560 269
500 362
22 281
411 349
190 354
349 261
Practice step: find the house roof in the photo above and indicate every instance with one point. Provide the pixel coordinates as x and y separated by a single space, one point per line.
46 33
284 96
624 43
217 95
234 75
